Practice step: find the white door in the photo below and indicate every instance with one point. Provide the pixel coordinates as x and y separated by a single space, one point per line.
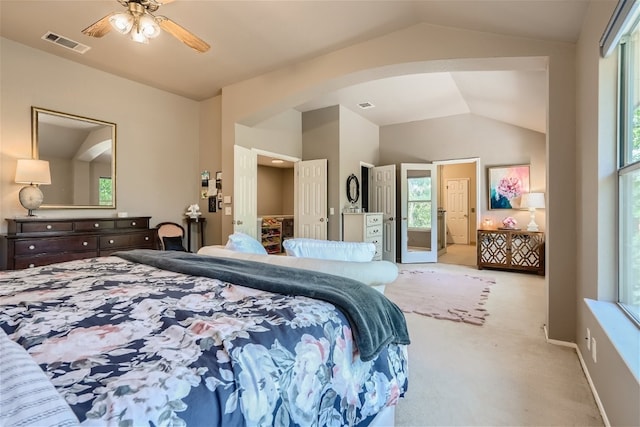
457 208
419 212
382 198
311 194
245 191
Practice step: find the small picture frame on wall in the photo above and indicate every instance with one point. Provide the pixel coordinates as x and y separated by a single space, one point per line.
506 185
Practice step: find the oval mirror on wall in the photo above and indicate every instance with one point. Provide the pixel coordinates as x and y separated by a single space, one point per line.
353 189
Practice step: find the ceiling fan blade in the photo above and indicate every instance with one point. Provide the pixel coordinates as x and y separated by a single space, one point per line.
98 28
182 34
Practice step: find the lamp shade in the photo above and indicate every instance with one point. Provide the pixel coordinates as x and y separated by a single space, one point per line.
31 171
532 200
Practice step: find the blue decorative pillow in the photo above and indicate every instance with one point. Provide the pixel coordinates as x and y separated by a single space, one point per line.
241 242
173 244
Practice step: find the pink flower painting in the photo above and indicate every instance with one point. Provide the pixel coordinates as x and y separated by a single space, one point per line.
506 186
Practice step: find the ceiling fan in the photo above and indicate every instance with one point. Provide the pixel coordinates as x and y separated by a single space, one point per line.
139 22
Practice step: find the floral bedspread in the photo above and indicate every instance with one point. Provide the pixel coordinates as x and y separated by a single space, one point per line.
128 344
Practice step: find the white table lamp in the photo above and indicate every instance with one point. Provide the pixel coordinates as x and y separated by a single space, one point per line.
32 172
532 201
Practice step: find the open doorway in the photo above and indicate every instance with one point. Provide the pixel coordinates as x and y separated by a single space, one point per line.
458 202
275 202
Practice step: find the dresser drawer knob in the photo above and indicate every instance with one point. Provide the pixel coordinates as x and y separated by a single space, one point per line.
32 247
85 243
133 223
96 225
31 265
146 237
49 226
111 242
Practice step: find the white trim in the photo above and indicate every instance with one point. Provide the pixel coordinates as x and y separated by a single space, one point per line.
623 17
592 386
479 183
276 155
366 165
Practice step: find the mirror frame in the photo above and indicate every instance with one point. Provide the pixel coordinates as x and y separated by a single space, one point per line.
35 112
353 198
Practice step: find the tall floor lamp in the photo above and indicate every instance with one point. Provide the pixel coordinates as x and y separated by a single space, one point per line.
33 172
532 201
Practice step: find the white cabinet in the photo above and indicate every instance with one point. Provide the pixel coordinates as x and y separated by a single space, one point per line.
363 227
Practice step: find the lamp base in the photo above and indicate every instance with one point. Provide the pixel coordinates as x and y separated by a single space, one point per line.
532 226
31 198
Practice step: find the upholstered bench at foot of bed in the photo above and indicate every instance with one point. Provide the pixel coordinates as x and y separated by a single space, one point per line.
373 273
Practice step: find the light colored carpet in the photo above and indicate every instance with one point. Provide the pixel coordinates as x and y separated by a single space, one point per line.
501 374
441 295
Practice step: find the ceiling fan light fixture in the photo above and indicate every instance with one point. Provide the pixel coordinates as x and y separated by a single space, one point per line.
148 27
122 22
137 36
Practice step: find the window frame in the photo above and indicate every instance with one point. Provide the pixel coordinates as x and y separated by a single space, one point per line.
628 70
411 201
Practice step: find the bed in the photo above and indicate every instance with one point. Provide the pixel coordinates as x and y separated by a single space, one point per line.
170 338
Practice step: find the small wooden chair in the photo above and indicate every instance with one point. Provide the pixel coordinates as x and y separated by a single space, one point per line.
171 236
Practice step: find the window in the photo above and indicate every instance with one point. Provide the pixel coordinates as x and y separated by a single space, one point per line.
105 191
629 174
419 203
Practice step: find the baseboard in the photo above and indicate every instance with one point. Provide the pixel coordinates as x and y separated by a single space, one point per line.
603 414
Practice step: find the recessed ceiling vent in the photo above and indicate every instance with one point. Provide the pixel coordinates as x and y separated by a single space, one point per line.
366 105
65 42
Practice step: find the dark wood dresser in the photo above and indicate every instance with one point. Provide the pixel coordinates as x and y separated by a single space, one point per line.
32 242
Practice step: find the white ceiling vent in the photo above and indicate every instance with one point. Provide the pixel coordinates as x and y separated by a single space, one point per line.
65 42
365 105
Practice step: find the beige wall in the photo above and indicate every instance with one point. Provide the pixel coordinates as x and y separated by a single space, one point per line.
345 139
467 136
275 191
321 140
617 385
154 177
209 159
250 101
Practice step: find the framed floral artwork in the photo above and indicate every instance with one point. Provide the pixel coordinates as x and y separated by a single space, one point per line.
506 186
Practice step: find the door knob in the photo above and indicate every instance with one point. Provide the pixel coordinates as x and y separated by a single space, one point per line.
391 218
321 219
404 219
239 222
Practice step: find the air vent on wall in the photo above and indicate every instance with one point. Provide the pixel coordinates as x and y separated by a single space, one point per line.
366 105
65 42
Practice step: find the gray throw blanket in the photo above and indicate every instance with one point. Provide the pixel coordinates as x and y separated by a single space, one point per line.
375 321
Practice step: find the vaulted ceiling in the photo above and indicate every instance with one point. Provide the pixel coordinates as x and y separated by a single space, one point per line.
249 38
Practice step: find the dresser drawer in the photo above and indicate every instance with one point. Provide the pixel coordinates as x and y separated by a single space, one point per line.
40 227
374 220
118 241
377 240
46 259
373 231
132 223
94 225
58 244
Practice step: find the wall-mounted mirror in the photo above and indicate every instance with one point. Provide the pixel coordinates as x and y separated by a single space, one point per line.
82 159
353 189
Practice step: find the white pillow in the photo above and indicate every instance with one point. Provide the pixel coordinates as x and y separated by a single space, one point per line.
330 249
241 242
